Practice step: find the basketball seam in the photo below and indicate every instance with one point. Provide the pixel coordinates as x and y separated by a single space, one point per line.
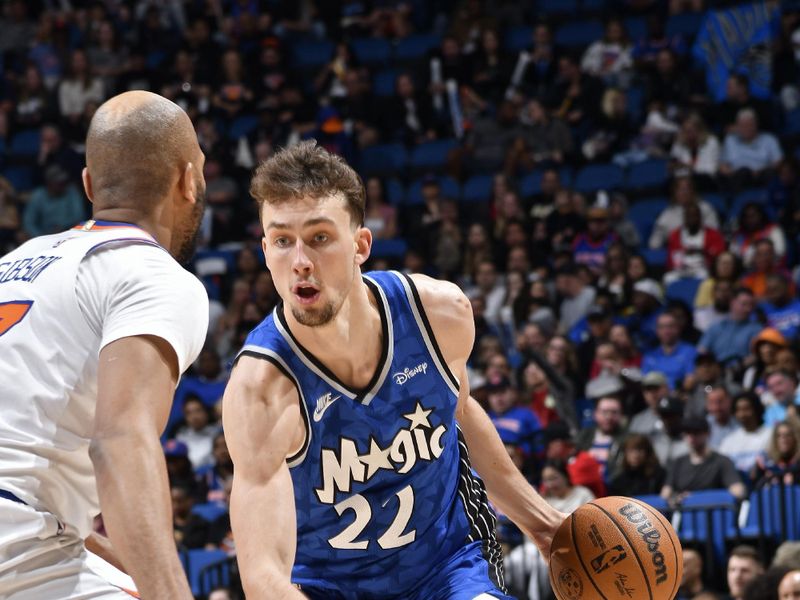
633 548
663 522
580 558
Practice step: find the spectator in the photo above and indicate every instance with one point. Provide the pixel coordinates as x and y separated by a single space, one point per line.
590 248
180 471
646 307
489 285
604 439
692 580
625 229
745 444
380 216
574 95
696 149
789 588
215 475
729 340
79 88
543 140
613 130
748 155
654 387
208 381
765 349
577 296
610 58
517 426
488 142
599 322
782 385
582 467
672 357
198 433
491 67
640 472
668 441
692 248
671 218
754 226
53 151
536 67
702 468
10 234
739 98
744 566
32 101
550 396
781 307
727 267
719 309
721 421
559 490
190 530
54 207
409 116
781 461
627 352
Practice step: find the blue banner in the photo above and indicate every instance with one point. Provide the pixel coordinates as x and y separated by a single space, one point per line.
738 40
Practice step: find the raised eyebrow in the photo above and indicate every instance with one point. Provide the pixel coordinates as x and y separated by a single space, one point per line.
309 223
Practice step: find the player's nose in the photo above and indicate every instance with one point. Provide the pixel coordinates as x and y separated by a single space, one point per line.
301 262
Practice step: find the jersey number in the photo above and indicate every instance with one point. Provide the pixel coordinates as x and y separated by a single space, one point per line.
392 538
12 313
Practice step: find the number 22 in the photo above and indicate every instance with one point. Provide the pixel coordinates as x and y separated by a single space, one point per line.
392 538
12 313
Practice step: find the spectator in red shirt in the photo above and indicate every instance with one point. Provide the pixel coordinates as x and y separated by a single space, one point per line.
693 247
583 468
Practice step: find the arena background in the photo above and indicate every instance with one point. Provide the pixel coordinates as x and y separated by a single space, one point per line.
603 178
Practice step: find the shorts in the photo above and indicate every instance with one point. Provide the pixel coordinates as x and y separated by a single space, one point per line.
40 561
465 576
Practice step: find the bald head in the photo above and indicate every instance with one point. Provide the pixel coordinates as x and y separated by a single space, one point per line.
789 588
137 150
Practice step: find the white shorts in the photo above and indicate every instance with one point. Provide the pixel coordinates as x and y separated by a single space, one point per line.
38 561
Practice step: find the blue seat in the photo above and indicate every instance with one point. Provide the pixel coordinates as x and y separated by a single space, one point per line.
383 82
431 155
636 27
531 184
209 511
556 7
686 24
648 175
654 257
308 54
415 47
478 188
26 143
719 202
395 191
759 196
599 177
384 159
655 501
643 215
684 289
242 126
20 177
709 517
791 123
577 34
518 38
197 561
394 248
636 96
372 51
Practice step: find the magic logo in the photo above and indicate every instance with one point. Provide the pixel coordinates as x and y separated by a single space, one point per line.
420 441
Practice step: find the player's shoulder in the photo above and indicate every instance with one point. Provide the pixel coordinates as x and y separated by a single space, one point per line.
257 375
436 294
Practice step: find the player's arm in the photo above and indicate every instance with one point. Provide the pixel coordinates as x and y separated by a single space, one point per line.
450 315
101 545
263 425
136 380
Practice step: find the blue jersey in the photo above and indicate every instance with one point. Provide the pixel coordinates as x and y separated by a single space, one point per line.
383 488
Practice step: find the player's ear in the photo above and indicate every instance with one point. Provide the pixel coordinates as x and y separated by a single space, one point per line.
87 184
363 244
188 185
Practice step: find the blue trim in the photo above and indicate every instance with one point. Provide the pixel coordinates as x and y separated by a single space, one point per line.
9 496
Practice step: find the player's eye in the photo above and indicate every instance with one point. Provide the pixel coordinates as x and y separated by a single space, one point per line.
281 242
320 238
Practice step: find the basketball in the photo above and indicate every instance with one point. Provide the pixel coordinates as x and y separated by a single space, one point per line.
613 548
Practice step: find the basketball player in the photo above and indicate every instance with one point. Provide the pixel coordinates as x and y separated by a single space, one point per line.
96 325
348 416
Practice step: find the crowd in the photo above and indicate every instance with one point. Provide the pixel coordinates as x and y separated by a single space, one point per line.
625 232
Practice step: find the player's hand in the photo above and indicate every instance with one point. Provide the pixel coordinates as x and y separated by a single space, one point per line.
544 539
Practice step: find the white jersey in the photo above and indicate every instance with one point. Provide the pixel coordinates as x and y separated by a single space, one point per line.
63 297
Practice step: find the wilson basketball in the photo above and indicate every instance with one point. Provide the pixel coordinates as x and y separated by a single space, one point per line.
614 548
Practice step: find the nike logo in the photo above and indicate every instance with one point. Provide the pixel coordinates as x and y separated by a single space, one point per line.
323 402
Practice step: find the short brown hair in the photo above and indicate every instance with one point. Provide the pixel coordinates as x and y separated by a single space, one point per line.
745 551
310 171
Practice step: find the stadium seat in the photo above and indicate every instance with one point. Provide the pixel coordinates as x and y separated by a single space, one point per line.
242 126
19 176
654 257
383 83
578 33
636 27
431 156
518 38
531 184
719 202
197 561
759 196
655 501
395 248
209 511
25 144
415 47
550 8
448 187
643 215
686 24
311 54
395 191
648 175
684 289
384 159
792 122
598 177
372 52
709 517
478 188
636 95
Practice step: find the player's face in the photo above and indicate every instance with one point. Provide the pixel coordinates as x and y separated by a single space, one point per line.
314 252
